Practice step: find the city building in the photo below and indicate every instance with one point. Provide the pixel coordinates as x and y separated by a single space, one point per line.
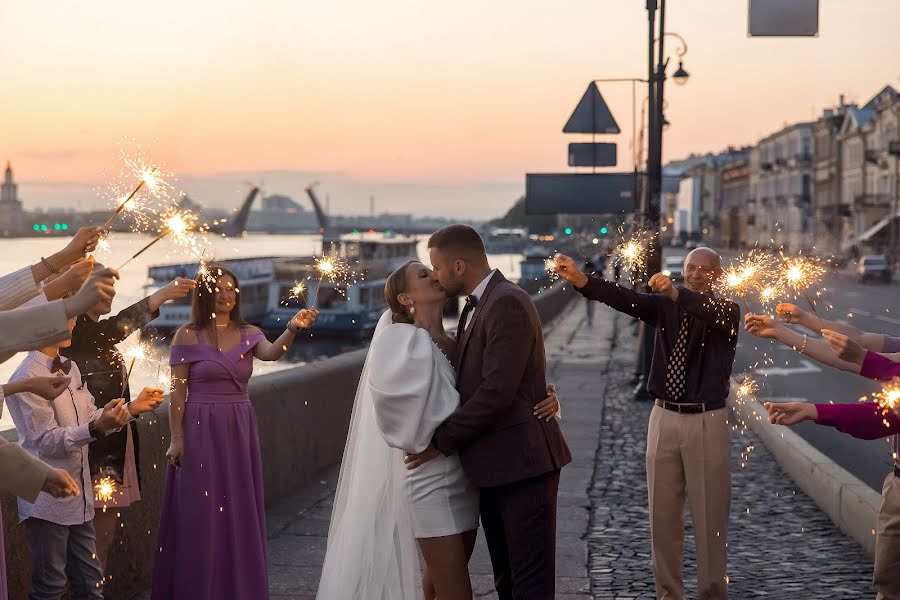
733 215
830 225
12 217
869 174
781 178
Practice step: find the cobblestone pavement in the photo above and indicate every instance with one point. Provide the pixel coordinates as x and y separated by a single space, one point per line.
780 544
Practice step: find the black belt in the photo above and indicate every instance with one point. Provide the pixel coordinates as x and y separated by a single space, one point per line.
687 408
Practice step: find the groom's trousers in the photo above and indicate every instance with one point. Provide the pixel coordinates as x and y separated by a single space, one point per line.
519 522
689 454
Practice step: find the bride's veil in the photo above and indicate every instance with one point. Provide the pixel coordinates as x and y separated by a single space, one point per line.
372 552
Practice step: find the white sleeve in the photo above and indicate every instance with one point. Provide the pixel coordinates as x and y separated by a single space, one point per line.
17 288
32 328
401 377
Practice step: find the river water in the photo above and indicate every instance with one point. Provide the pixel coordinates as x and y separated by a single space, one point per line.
16 253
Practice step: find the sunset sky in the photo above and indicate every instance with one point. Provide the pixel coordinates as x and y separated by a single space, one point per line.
435 107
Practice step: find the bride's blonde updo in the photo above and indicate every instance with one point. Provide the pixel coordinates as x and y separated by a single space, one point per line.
393 287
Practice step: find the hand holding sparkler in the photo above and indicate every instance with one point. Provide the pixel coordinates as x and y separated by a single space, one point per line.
70 280
83 243
177 289
100 286
662 284
791 413
114 416
844 348
304 319
566 268
60 484
147 401
762 326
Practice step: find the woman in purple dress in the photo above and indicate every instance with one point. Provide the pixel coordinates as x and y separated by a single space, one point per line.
212 533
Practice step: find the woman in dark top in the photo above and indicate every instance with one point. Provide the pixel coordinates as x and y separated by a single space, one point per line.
103 370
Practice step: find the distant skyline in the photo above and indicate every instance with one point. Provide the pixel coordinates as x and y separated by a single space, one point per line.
436 108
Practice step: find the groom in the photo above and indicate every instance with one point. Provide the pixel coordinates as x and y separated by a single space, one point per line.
513 457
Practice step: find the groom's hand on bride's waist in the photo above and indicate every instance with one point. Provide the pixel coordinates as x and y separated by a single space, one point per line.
414 461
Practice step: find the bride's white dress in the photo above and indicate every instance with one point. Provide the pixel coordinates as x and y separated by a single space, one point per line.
406 389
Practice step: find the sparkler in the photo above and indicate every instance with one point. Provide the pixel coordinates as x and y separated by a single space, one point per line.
745 274
747 387
332 268
148 178
298 291
632 254
180 224
799 274
889 396
135 353
550 266
105 489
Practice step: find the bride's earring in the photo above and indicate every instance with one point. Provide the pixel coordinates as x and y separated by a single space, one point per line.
412 310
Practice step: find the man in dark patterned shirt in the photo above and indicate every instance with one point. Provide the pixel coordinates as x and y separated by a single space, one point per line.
688 445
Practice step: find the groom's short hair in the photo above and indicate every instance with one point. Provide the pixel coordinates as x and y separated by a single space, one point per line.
459 240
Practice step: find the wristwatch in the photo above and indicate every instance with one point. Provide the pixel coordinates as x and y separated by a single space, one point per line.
94 432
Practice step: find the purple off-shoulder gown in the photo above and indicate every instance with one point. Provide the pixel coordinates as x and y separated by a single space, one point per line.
212 531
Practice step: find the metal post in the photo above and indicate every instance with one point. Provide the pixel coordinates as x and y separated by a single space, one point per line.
652 187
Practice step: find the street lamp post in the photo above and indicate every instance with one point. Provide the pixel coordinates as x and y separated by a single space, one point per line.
652 200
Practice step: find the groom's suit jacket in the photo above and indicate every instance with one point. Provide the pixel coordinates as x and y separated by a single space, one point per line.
500 366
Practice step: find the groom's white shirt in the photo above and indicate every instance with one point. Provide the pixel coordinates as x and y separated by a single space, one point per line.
478 292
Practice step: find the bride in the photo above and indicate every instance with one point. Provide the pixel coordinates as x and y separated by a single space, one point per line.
382 510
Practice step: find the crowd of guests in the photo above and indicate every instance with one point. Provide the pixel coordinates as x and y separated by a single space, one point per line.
688 447
75 418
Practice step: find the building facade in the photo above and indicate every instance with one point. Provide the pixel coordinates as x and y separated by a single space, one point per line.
11 214
781 183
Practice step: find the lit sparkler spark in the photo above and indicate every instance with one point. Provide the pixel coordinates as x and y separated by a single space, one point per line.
298 290
333 268
631 254
769 293
180 224
550 266
889 396
102 245
747 387
105 489
799 274
744 275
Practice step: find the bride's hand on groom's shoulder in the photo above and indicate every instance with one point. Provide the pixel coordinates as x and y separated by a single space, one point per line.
548 408
414 461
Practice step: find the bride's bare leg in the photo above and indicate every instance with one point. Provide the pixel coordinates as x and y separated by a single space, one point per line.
446 560
428 585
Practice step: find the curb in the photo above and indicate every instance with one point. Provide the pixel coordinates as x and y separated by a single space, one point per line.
851 504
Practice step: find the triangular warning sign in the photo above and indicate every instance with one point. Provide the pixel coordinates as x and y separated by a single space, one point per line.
592 115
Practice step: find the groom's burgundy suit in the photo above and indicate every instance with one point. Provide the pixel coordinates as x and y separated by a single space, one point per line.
511 455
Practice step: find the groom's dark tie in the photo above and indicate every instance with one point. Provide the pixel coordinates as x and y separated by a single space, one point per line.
471 303
60 364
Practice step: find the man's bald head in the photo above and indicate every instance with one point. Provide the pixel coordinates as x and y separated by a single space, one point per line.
702 267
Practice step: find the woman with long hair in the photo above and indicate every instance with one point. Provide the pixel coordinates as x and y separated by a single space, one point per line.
212 533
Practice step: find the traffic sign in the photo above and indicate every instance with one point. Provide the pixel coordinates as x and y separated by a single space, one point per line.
592 155
783 18
579 193
592 115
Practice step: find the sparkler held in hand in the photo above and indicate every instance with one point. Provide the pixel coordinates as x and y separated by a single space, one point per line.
331 267
146 178
180 224
800 274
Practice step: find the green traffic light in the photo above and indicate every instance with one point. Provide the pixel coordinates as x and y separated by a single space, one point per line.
568 231
603 230
43 227
57 226
65 226
37 227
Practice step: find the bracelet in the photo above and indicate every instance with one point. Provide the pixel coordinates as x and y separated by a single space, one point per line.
805 338
47 264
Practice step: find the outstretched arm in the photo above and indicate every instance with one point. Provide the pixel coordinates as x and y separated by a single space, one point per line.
641 306
817 349
791 313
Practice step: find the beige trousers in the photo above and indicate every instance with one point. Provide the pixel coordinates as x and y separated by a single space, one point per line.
689 453
887 541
